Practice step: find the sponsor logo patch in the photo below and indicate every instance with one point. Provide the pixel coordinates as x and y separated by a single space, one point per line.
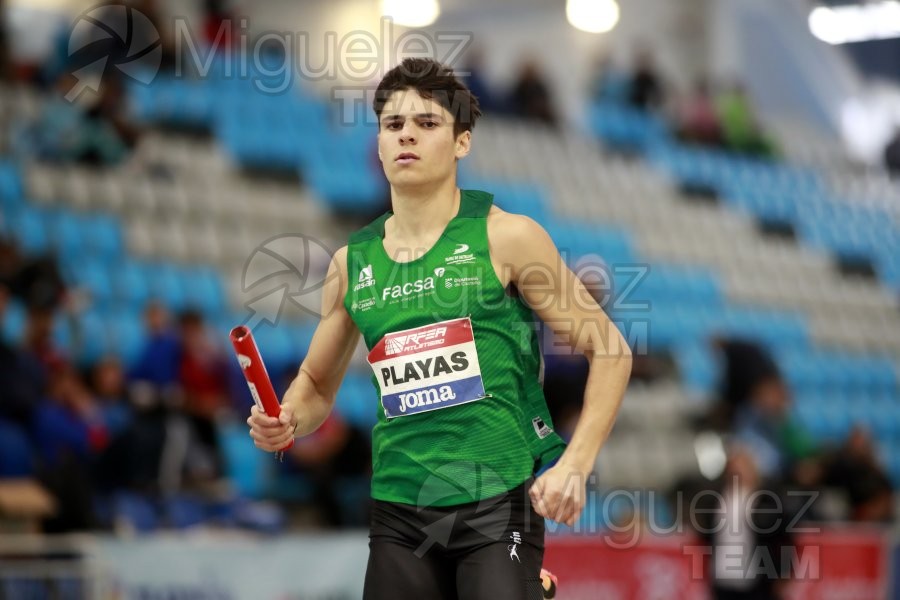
366 279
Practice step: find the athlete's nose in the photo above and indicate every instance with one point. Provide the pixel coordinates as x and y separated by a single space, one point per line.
407 134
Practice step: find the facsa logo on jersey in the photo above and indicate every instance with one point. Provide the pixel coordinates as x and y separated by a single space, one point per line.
413 287
417 374
459 255
415 341
365 279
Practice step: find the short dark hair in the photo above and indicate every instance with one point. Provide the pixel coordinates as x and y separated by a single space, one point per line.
434 81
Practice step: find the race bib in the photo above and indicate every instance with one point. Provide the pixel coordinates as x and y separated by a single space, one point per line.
427 368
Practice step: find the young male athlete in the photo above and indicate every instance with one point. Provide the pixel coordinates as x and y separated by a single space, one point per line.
443 289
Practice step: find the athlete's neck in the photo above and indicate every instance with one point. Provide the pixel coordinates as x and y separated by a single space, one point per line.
423 213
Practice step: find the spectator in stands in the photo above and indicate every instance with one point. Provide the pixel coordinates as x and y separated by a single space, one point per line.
854 468
59 132
218 25
646 90
746 364
158 363
892 155
202 373
748 532
741 129
115 133
38 339
21 387
530 97
22 378
71 422
780 448
698 121
154 393
93 131
110 391
35 280
69 432
607 82
478 84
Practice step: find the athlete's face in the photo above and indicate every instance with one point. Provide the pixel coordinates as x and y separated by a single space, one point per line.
416 144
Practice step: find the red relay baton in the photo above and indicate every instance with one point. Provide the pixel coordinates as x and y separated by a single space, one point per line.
255 372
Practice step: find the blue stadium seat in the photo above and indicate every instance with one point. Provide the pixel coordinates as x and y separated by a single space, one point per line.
94 275
203 289
131 283
13 321
29 228
91 339
10 186
126 334
626 128
166 284
104 236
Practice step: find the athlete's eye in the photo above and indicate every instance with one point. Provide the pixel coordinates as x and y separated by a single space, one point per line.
394 125
429 124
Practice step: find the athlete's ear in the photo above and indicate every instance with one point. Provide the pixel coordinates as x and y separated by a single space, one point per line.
463 144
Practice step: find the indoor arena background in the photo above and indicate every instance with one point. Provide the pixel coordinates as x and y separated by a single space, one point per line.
718 172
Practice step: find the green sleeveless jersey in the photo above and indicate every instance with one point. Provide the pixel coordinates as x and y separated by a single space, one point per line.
456 364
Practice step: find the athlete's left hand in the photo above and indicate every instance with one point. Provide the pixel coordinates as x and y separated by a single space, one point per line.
559 494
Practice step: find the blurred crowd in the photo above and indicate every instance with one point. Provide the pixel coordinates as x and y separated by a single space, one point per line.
754 408
86 433
714 116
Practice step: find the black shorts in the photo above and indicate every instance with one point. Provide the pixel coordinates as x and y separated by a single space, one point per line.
488 550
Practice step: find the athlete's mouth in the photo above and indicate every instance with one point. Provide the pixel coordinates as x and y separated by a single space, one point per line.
406 158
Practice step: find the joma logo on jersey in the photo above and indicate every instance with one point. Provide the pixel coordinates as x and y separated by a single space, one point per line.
417 341
428 397
413 287
365 279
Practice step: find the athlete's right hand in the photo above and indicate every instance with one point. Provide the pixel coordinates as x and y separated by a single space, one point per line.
270 433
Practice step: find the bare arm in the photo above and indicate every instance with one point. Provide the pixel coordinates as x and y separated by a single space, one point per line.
311 395
534 265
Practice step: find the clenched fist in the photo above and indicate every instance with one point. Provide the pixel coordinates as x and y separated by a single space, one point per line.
271 433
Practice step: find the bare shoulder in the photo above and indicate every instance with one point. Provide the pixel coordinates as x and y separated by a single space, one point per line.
512 232
339 258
